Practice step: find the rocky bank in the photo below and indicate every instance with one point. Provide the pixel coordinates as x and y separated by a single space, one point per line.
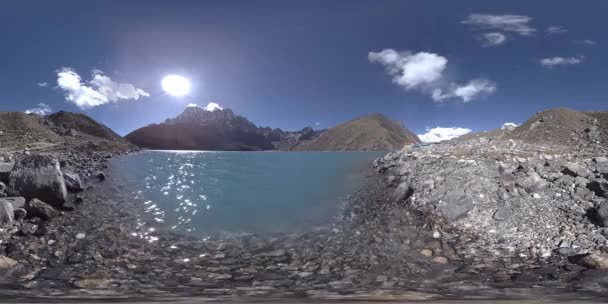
482 218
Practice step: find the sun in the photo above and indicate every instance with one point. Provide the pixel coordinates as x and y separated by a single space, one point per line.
176 85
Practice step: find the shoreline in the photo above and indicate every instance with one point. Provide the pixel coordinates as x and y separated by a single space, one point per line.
360 258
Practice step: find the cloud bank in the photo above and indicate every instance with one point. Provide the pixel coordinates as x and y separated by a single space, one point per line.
424 71
560 61
41 109
517 24
439 134
100 90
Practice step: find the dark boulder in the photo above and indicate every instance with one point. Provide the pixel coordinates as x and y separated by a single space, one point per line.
38 208
600 187
5 171
38 176
73 183
601 214
6 213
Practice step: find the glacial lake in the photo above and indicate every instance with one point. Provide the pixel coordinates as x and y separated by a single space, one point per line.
208 192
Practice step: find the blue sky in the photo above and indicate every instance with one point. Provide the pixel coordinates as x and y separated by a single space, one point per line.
291 64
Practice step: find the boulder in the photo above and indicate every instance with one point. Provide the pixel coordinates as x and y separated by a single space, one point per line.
6 213
17 202
601 214
100 175
6 262
73 182
2 187
5 171
41 209
595 260
575 170
38 176
600 187
457 205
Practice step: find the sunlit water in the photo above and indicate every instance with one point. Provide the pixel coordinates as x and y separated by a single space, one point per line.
241 192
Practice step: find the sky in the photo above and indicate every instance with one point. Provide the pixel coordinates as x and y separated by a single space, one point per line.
447 66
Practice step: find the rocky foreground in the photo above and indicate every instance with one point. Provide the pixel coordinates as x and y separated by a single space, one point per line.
483 217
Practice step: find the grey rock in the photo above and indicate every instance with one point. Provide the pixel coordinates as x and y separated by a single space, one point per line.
574 169
5 171
19 214
6 262
100 175
502 213
6 213
2 187
41 209
17 202
594 260
73 182
456 206
403 191
38 176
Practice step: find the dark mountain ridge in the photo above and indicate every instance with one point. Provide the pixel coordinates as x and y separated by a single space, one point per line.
221 129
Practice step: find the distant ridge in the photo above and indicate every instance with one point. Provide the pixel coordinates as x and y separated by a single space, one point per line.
374 132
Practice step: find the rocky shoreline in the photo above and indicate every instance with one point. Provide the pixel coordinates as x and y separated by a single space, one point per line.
396 240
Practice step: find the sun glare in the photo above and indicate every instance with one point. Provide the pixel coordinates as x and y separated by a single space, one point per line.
176 85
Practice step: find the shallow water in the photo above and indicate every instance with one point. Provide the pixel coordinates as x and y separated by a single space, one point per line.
241 192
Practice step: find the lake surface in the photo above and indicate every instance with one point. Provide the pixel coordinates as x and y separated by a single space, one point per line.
203 192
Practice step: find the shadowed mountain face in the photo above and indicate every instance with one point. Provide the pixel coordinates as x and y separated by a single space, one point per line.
200 129
374 132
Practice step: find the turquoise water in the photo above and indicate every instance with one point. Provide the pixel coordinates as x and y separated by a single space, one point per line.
241 192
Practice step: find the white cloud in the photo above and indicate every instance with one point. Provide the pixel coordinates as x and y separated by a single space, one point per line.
509 126
560 61
474 89
493 39
585 42
317 123
556 30
212 106
438 134
100 90
43 84
424 72
42 109
411 70
518 24
192 105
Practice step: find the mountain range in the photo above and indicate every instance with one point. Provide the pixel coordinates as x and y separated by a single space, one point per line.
221 129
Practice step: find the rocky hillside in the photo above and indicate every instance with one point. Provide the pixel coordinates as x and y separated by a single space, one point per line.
82 123
20 132
559 126
374 132
199 129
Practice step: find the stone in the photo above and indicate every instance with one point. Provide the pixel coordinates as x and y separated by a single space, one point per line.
6 213
457 205
94 283
502 213
440 260
403 191
17 202
575 170
600 159
274 254
2 187
426 252
600 187
19 214
100 175
73 183
38 176
594 260
601 214
38 208
6 262
5 171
